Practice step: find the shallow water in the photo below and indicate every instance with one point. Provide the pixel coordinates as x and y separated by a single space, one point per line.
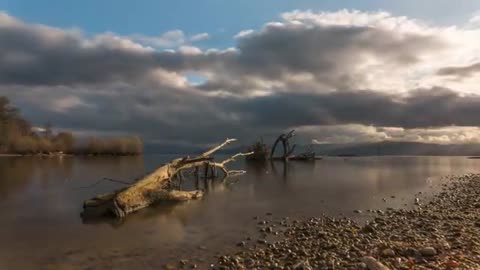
41 200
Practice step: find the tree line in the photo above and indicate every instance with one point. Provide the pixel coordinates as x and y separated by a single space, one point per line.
17 136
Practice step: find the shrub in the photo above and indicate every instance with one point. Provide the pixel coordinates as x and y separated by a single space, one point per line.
24 145
112 146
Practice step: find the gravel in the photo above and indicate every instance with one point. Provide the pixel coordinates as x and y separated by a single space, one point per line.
443 233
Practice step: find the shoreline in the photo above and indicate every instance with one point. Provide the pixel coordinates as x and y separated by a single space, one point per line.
65 155
11 155
442 234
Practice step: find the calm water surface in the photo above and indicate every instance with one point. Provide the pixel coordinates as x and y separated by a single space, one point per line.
41 201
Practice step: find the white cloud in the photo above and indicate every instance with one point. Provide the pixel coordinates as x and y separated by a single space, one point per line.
199 37
244 33
189 50
461 48
474 21
112 41
168 39
379 20
355 133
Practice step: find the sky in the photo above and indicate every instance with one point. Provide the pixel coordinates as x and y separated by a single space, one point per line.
192 73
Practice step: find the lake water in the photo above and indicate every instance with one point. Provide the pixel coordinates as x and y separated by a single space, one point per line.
41 201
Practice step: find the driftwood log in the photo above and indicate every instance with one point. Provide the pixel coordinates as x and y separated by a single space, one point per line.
158 185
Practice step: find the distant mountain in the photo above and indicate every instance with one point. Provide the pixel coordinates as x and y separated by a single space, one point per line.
397 148
363 149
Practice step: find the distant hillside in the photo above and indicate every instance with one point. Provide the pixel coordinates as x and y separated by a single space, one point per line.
364 149
398 148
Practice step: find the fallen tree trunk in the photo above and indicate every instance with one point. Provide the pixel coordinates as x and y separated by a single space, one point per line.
157 186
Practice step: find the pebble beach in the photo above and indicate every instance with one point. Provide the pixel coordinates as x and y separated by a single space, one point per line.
442 233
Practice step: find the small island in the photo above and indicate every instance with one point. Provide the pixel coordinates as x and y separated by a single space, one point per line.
20 137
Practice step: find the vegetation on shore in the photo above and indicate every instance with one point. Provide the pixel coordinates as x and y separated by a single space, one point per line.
17 136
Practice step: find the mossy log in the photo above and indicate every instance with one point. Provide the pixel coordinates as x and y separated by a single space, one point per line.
157 186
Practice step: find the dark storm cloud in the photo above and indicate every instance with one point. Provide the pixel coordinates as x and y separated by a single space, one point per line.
246 118
332 54
325 49
460 72
423 108
105 83
39 55
36 57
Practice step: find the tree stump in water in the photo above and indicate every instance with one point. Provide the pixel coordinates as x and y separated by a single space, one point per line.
287 149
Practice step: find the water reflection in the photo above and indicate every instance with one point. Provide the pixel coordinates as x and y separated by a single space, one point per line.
153 212
17 174
279 170
42 200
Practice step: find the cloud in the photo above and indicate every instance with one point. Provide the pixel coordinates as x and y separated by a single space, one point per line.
199 37
67 103
334 56
460 72
355 133
422 108
189 50
168 39
41 55
244 33
346 75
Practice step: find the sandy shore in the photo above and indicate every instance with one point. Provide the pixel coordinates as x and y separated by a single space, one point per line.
442 234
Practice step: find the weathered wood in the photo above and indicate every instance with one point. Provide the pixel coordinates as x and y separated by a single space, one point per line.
287 150
157 186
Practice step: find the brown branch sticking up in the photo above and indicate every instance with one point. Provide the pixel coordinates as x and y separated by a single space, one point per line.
155 186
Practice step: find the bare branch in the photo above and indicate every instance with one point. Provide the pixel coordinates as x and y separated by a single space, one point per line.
232 158
215 149
290 134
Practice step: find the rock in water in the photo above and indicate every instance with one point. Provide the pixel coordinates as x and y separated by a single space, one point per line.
373 264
